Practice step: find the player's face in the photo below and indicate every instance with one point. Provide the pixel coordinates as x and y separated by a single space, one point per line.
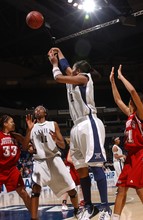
118 141
9 124
75 71
39 112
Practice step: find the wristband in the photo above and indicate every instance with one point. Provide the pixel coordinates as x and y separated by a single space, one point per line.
63 64
56 71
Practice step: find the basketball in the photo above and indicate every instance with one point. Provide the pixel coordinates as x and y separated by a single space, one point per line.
34 19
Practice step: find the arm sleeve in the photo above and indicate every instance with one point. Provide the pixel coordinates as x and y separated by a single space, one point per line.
63 64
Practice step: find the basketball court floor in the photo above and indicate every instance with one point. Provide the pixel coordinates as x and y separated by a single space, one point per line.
12 207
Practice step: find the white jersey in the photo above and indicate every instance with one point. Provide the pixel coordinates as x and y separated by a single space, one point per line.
119 152
81 99
42 140
88 133
118 163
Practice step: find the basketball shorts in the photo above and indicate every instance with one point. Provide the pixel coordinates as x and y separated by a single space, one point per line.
11 178
132 173
87 140
118 166
53 173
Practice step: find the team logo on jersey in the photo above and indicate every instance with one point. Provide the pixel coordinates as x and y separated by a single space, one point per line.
97 155
133 124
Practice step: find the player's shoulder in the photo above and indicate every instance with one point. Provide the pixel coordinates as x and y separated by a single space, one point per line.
51 124
115 147
2 134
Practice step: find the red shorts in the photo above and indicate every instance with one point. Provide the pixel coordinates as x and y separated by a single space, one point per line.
75 175
132 173
11 178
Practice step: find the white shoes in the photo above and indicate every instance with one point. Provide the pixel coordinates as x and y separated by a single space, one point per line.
64 207
104 215
88 212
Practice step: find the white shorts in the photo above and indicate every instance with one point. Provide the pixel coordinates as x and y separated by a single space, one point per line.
87 142
118 166
53 173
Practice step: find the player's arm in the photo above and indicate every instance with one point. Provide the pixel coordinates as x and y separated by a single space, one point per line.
30 123
114 151
135 97
75 80
18 137
119 156
31 149
57 136
116 155
69 159
79 79
117 98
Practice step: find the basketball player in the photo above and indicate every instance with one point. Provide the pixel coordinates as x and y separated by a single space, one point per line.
88 133
131 175
10 176
48 164
118 156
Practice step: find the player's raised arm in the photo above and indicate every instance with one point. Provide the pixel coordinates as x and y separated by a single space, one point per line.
76 77
30 123
116 95
137 100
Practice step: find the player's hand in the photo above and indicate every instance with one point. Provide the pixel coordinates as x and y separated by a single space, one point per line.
111 77
53 135
120 72
31 150
58 52
53 57
30 122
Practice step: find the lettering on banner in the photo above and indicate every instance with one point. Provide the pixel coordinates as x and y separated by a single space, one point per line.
109 175
27 182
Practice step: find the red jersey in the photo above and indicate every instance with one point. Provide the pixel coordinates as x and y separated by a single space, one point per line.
133 141
132 173
9 151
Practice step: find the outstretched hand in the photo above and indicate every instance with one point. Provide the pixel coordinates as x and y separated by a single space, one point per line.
30 122
57 52
112 75
120 72
53 57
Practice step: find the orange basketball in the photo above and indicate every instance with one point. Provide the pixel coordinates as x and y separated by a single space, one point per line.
34 19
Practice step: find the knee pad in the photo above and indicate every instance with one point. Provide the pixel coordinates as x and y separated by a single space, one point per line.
35 195
73 196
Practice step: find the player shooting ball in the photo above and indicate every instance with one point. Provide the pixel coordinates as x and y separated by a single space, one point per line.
87 136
